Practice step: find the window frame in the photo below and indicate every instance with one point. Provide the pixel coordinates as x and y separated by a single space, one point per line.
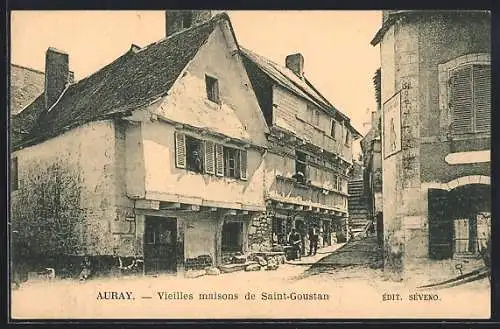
333 128
445 111
220 165
201 150
236 162
212 89
473 129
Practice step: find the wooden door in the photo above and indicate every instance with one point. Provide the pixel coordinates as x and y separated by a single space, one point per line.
440 225
160 237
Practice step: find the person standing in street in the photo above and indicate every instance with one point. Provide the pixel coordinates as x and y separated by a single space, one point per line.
295 241
313 240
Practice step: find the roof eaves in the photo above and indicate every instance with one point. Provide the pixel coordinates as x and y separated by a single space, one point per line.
325 104
27 68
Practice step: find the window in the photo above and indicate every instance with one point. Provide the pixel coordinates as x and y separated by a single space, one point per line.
300 166
347 137
470 98
212 89
204 156
194 151
231 162
187 20
315 118
279 230
232 236
332 129
14 178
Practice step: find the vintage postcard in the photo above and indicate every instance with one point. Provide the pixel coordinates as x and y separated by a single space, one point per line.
209 164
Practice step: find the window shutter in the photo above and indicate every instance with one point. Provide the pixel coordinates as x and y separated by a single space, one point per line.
209 157
482 96
180 150
243 164
461 97
219 160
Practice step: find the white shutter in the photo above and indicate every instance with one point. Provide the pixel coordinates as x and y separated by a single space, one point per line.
243 164
219 160
209 157
482 97
461 98
180 150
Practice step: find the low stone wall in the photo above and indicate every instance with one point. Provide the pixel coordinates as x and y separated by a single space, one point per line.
198 263
260 233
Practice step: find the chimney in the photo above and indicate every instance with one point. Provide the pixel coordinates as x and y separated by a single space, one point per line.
178 20
295 62
57 75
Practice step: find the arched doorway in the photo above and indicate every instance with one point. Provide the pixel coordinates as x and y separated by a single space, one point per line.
459 219
470 210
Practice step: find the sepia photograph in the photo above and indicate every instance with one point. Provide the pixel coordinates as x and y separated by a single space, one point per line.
250 164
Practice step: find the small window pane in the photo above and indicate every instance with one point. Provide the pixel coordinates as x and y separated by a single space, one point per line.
212 89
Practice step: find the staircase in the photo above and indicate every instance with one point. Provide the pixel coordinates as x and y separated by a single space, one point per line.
358 205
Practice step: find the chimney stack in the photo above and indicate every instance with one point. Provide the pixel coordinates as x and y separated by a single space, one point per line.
178 20
57 75
295 62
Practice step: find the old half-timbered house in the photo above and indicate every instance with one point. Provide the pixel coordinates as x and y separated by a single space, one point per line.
309 151
163 148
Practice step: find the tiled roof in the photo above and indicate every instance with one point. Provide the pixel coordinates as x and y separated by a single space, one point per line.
25 86
135 79
287 79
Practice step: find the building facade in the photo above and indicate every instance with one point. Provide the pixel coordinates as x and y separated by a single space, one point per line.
436 106
371 147
174 155
309 156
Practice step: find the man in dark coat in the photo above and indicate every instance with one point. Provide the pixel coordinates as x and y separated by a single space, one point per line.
295 241
313 240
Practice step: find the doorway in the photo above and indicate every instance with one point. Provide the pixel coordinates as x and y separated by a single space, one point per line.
232 237
160 238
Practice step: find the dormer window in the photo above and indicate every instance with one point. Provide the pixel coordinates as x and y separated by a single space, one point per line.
212 85
187 20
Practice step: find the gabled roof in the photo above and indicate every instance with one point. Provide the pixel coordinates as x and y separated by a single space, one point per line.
287 79
26 85
135 79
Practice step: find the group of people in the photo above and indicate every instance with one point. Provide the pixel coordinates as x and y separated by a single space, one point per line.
295 240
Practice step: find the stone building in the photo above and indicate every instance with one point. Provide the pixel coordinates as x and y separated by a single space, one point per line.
435 91
175 155
167 141
309 154
371 147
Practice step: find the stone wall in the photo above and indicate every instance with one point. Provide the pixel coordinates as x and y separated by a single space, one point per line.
260 232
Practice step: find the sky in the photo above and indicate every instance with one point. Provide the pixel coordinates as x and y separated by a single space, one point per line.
339 59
